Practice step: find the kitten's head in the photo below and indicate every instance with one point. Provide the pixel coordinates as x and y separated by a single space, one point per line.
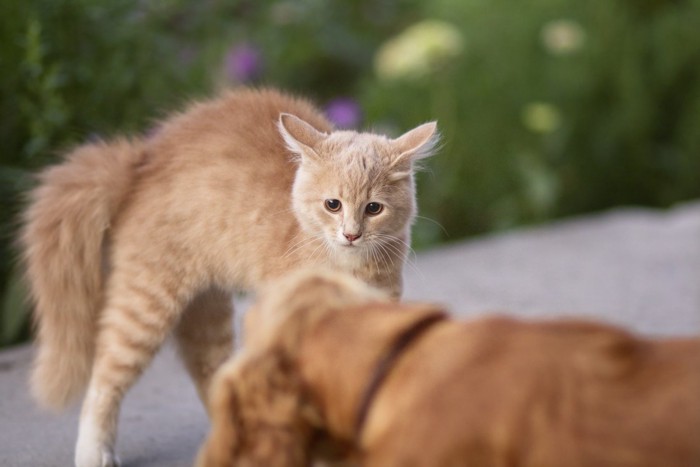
355 189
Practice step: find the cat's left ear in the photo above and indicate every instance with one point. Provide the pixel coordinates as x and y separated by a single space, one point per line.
419 143
300 137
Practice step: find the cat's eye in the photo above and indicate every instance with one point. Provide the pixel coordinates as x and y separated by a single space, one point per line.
373 209
333 205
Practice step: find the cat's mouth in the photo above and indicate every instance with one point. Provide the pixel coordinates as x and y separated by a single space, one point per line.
347 241
347 244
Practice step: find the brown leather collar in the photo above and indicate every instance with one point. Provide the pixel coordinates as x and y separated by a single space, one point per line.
387 362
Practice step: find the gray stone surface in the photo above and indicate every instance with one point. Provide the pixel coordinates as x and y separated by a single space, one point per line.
636 268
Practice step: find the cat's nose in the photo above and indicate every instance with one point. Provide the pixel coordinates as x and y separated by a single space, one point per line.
352 237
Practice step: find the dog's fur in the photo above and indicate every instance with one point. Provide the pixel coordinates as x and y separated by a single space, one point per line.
490 392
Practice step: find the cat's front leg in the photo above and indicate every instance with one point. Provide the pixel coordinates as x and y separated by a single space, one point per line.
95 446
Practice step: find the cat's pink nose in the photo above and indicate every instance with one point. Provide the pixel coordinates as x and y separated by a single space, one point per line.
352 237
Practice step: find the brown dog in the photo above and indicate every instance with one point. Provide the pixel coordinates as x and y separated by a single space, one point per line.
403 385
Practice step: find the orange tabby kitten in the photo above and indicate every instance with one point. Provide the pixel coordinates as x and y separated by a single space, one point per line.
128 240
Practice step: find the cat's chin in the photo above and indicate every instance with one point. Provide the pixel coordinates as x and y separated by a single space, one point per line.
349 251
346 247
349 247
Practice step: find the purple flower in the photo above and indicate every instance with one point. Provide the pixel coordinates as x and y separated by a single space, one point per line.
344 112
244 63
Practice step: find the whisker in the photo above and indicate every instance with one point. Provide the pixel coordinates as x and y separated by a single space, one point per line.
409 256
411 263
301 244
386 253
330 252
312 256
392 239
380 254
444 230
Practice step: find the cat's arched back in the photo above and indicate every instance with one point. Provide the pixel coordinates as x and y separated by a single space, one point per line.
221 197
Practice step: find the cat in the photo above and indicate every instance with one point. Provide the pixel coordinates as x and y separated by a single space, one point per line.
128 240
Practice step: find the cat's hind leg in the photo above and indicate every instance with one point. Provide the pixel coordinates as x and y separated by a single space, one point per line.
142 307
205 337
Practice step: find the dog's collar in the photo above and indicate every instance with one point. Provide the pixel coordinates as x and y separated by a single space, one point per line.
387 362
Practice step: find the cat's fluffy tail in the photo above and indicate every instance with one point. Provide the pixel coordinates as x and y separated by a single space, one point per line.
62 244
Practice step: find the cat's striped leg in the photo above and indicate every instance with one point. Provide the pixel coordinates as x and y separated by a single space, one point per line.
141 310
205 337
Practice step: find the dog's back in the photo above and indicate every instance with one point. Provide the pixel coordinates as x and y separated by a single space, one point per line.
491 392
504 392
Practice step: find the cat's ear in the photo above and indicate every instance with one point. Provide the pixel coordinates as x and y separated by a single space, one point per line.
300 137
419 143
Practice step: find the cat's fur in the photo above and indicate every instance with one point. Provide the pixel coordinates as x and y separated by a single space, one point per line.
128 240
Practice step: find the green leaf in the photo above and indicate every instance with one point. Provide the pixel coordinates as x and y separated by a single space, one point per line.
14 314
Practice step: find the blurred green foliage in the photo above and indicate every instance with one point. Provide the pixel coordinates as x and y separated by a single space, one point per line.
547 107
555 107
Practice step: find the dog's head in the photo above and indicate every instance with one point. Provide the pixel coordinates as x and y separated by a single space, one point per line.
260 414
256 410
288 307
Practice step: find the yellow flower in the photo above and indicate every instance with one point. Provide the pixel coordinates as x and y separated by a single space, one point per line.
418 50
541 117
563 36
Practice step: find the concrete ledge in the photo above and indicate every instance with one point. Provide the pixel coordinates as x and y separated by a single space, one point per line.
632 267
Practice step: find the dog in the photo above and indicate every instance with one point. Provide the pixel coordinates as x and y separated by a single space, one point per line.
333 368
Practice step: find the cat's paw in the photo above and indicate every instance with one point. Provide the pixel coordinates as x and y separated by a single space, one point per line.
91 454
101 458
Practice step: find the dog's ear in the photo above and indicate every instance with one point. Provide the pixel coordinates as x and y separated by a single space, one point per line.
224 440
257 415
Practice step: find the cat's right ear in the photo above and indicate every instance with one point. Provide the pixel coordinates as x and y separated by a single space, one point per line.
300 137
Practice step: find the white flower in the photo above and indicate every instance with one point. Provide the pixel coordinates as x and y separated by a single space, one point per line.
562 37
286 12
541 117
418 50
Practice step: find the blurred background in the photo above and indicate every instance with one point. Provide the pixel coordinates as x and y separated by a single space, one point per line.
548 108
